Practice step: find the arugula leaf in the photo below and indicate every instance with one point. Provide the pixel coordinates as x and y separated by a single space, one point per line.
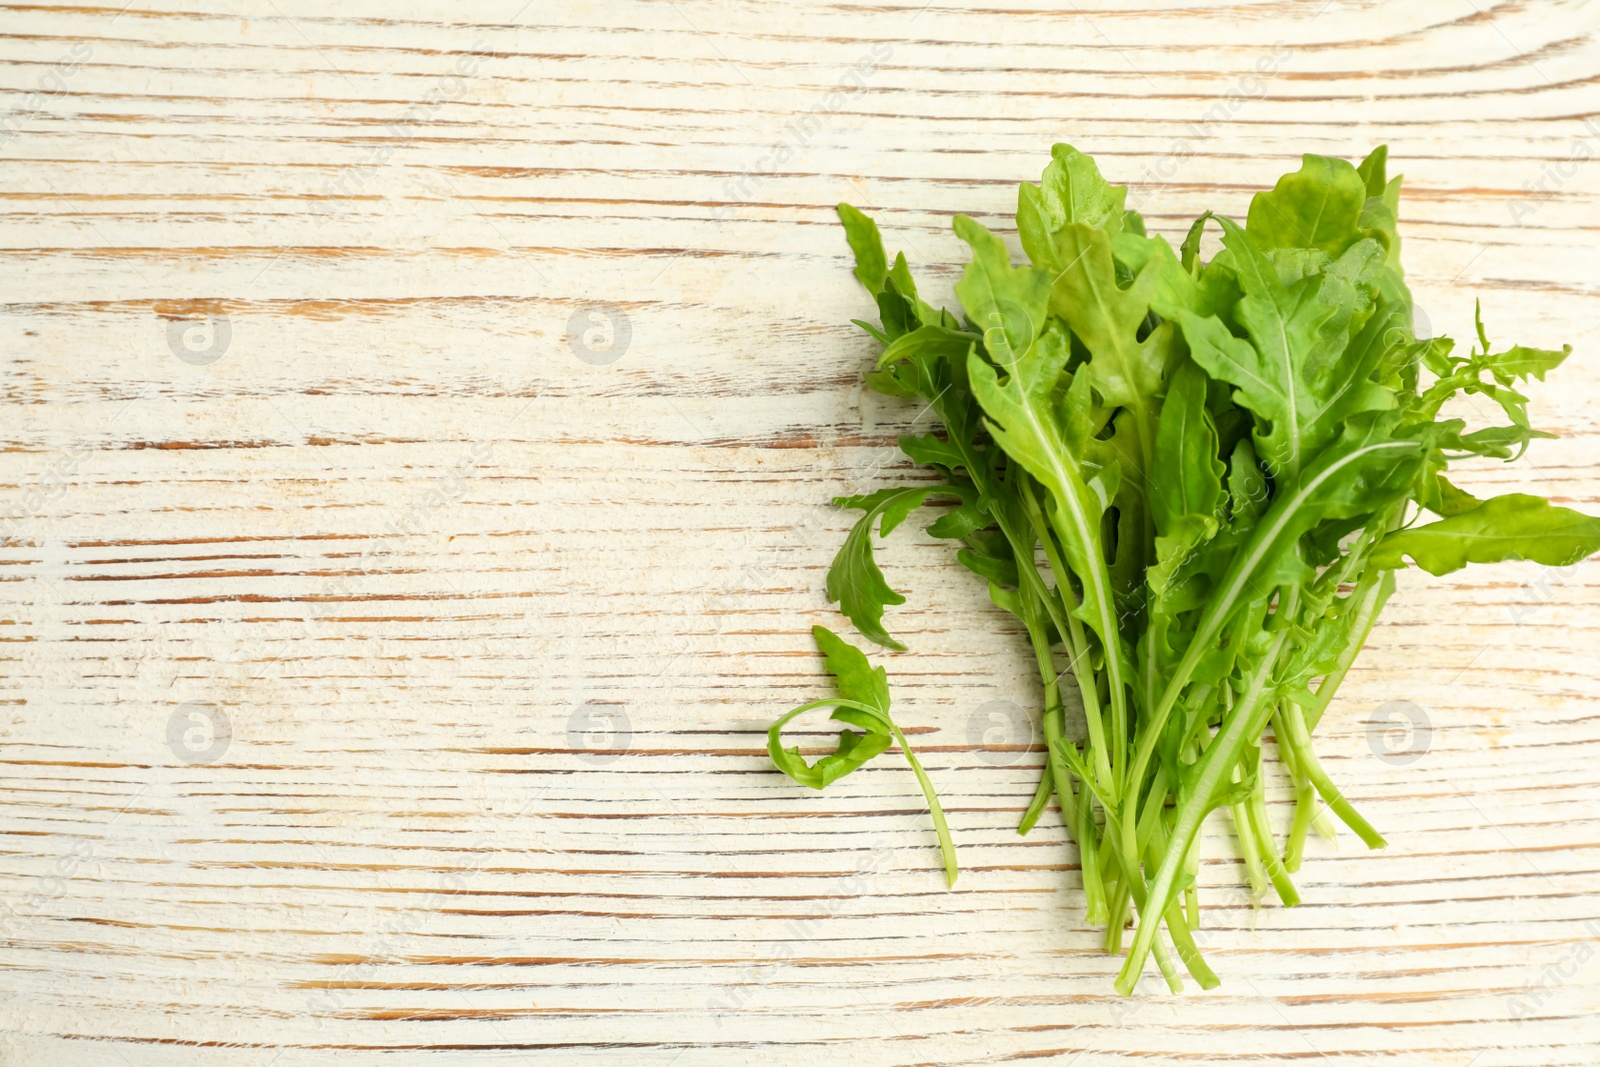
1107 318
1318 206
1513 526
1521 362
863 701
872 266
858 680
1446 500
1007 304
854 580
1186 497
1290 372
1372 170
1071 190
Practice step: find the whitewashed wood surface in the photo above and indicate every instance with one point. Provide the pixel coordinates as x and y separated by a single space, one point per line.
314 425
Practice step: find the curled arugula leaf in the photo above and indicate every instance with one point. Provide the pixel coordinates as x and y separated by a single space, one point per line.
862 702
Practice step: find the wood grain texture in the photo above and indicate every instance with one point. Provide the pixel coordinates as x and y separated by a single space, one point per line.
496 622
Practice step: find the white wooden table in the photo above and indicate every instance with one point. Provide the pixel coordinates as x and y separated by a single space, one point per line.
419 421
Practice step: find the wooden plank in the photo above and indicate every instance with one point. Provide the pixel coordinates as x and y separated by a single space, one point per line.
496 596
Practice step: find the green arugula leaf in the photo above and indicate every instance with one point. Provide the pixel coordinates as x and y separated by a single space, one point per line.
1524 363
1108 319
1247 486
1186 497
872 266
1290 372
1071 190
858 680
1176 284
863 702
1444 499
1006 303
854 580
1513 526
1318 206
1372 170
928 451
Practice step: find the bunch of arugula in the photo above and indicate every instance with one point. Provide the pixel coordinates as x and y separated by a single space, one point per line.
1192 483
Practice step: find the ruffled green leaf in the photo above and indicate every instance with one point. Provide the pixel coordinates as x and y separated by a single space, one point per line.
1513 526
863 702
1318 206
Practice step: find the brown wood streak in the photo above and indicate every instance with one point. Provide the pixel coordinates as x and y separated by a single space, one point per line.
423 558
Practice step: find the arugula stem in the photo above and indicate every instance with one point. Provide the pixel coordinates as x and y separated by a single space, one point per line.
1034 601
1094 890
1177 925
1111 640
1072 633
1372 592
1131 878
1078 818
1241 575
1256 810
946 846
1255 873
1213 770
1300 738
1191 892
1040 801
1168 969
1188 951
1154 822
1324 826
1305 797
1117 915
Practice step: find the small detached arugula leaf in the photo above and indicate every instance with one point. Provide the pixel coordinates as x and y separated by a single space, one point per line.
855 581
862 702
1193 483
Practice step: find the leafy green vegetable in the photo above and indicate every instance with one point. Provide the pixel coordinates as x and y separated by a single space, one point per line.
863 702
854 580
1514 526
1192 481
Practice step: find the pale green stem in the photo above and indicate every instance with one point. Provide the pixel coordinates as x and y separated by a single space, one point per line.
1212 772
